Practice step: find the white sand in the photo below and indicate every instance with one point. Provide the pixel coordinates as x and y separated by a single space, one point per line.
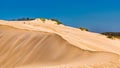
44 45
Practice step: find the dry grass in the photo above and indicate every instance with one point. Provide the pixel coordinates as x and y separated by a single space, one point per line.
117 37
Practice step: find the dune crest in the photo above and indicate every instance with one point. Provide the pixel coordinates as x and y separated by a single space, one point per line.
32 46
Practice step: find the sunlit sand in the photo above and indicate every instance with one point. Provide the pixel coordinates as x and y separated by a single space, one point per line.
38 44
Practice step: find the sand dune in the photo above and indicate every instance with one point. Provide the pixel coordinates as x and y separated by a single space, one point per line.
82 39
37 45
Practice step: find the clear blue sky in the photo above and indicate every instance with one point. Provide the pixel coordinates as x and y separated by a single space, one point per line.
96 15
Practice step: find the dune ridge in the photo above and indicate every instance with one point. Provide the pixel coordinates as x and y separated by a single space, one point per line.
29 47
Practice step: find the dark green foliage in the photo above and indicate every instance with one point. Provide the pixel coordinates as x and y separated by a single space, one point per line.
58 22
83 29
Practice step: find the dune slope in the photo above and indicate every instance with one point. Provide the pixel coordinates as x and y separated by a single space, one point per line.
82 39
20 48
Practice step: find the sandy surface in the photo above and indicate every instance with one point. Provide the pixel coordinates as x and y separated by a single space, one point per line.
29 44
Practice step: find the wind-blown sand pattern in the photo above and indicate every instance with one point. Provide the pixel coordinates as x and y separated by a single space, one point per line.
32 44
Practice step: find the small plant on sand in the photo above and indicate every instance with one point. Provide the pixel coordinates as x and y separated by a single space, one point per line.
83 29
43 19
110 36
58 22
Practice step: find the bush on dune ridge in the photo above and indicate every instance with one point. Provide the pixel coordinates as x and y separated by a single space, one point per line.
112 35
23 19
29 19
58 22
43 19
83 29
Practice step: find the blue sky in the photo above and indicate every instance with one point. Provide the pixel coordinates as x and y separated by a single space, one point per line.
96 15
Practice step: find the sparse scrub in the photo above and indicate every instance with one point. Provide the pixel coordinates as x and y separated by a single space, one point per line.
83 29
58 22
110 36
23 19
29 19
43 19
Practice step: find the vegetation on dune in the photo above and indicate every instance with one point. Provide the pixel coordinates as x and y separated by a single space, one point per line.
83 29
43 19
117 37
29 19
112 34
58 22
23 19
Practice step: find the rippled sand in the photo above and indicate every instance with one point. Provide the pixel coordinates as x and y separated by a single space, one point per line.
40 45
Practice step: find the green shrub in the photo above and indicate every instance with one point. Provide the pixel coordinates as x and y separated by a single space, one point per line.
43 19
83 29
110 36
58 22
